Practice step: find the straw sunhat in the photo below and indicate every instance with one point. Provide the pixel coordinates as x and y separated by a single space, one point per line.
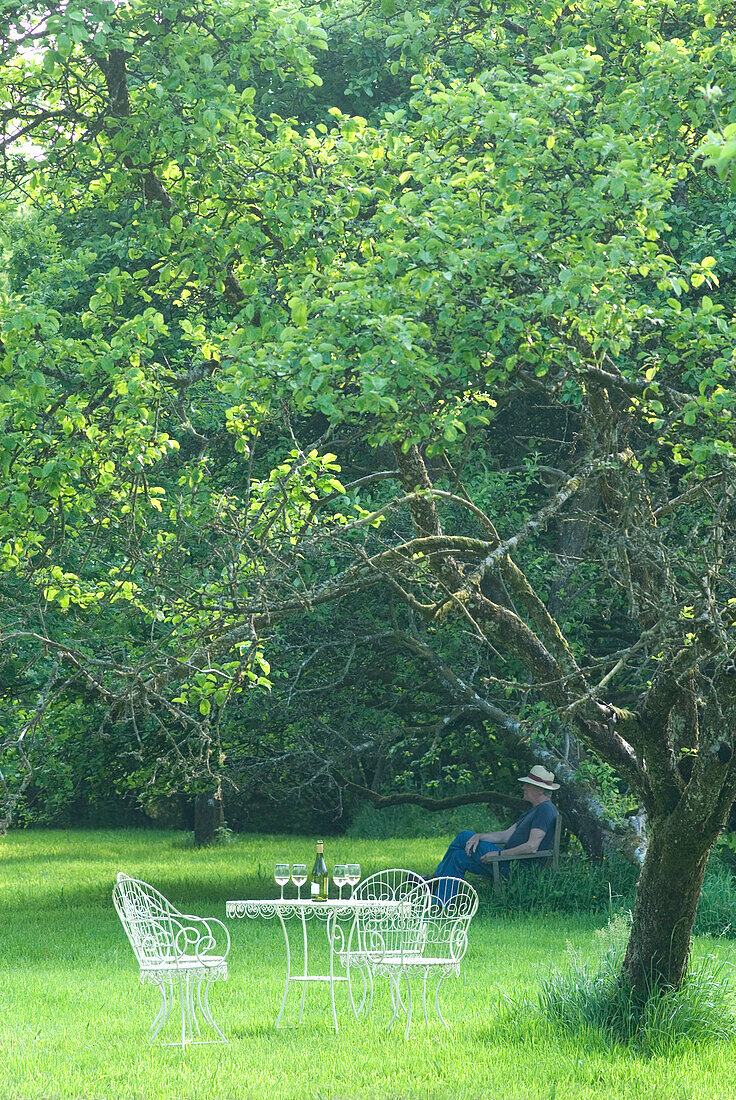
540 777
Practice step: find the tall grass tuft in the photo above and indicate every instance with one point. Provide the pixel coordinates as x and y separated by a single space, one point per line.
579 885
716 915
584 999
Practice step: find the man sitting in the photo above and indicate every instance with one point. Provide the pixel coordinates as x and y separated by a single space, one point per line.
535 830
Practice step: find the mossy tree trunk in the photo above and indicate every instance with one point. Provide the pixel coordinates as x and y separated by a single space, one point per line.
688 797
667 899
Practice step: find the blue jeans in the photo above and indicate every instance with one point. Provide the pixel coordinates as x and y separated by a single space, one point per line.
456 862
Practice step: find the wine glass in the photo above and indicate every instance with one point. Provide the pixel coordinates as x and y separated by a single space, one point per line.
352 875
282 874
339 877
299 877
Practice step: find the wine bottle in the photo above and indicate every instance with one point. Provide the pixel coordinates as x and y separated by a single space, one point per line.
320 878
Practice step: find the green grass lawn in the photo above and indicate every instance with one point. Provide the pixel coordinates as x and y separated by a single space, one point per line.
74 1020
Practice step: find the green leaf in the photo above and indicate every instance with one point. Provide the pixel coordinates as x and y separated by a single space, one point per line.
298 308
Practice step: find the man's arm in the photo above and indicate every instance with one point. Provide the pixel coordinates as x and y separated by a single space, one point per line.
536 836
493 838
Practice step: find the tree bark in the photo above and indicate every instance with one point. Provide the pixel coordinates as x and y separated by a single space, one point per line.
667 896
208 817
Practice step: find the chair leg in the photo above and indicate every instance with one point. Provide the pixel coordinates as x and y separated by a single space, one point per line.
395 1000
205 1007
362 1006
437 1003
193 996
408 1005
398 1001
194 1026
163 1012
424 996
184 1005
171 999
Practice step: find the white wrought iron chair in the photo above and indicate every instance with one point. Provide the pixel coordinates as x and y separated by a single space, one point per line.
445 936
178 953
385 936
430 940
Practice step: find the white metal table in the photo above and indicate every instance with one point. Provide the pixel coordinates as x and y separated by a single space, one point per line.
332 913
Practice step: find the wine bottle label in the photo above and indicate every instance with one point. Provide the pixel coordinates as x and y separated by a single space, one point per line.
315 889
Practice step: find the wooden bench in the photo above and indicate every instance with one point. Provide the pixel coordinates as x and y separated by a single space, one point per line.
551 856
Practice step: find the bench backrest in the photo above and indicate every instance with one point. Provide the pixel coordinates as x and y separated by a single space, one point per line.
556 842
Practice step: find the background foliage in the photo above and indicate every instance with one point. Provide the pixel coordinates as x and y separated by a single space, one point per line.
251 258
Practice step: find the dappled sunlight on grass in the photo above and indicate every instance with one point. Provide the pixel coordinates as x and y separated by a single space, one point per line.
75 1018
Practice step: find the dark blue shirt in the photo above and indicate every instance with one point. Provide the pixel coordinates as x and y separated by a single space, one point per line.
542 816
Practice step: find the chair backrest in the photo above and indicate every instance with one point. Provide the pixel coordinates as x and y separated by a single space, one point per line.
151 923
398 929
446 925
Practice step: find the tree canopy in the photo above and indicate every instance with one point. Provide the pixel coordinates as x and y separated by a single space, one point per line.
424 311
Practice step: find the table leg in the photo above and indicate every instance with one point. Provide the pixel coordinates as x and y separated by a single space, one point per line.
306 969
331 939
288 970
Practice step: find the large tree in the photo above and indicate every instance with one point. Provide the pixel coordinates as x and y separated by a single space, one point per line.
495 263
